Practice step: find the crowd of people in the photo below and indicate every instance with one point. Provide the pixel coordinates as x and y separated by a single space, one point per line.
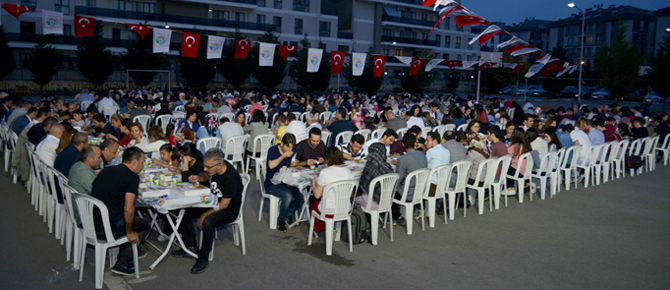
493 127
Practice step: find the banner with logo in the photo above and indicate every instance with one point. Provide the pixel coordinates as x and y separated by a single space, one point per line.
314 59
52 22
214 46
357 63
433 63
161 41
266 54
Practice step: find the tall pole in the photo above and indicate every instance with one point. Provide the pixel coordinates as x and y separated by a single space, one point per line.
581 59
479 78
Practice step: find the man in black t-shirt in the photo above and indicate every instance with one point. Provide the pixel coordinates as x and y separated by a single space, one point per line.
661 129
226 183
117 187
101 127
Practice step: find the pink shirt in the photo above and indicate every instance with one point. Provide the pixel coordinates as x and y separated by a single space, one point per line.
515 158
255 107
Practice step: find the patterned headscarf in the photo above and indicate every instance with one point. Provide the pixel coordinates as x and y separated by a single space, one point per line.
375 166
479 145
211 125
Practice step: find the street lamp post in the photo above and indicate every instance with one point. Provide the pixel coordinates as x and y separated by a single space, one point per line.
581 53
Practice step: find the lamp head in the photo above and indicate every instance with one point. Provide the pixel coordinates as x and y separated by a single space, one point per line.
571 5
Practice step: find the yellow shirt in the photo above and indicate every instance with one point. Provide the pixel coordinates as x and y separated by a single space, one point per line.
280 134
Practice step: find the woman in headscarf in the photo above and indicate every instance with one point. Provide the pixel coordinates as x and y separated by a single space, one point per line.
375 166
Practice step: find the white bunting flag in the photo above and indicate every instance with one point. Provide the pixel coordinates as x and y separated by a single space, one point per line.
545 59
358 63
525 51
469 64
439 3
314 59
404 59
574 67
487 34
52 22
215 46
433 63
266 54
161 41
513 40
566 68
534 69
510 65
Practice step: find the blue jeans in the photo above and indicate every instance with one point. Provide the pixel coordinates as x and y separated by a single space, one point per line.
291 199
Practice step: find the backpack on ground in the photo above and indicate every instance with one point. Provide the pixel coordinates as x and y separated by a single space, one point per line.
359 227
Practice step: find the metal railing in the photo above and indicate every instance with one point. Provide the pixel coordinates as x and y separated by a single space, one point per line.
57 39
326 11
408 20
409 40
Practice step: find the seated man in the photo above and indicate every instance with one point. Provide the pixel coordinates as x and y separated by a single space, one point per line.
101 127
341 124
82 175
228 130
353 150
295 126
226 183
411 161
117 187
47 148
22 121
386 139
70 154
291 198
310 151
109 149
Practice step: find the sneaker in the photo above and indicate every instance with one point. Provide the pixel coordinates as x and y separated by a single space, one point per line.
200 265
163 238
281 226
181 253
141 253
399 222
127 271
509 192
289 220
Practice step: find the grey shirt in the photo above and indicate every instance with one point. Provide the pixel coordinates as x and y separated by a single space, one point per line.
396 124
456 150
412 160
255 129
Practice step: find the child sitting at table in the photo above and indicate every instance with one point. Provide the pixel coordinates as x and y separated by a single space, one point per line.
77 119
281 128
169 157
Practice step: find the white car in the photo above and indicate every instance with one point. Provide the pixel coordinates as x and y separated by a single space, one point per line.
653 98
536 92
601 94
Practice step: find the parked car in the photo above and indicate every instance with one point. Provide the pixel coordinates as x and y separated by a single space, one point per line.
601 94
653 98
506 90
536 92
637 95
586 92
569 92
524 90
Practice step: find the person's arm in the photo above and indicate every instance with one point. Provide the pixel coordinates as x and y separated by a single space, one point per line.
129 215
317 188
202 177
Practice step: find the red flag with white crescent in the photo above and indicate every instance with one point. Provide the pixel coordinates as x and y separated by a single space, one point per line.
286 50
242 48
517 68
83 26
378 62
189 44
516 47
487 34
452 9
140 29
452 63
416 65
336 61
16 10
485 65
462 20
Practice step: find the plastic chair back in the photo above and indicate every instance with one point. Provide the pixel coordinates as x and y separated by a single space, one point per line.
262 144
401 132
502 165
449 127
235 147
207 143
163 121
325 116
145 120
440 130
491 170
301 137
336 199
109 111
635 147
387 183
87 205
547 163
302 116
420 177
462 170
376 134
325 136
365 133
529 165
179 108
245 183
443 175
230 116
84 105
344 137
462 127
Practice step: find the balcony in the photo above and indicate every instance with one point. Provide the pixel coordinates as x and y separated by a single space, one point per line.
408 20
409 40
169 18
57 39
301 7
326 11
345 35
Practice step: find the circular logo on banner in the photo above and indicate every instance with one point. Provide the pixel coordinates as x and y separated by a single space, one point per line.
161 40
265 54
52 22
214 46
359 64
206 199
314 60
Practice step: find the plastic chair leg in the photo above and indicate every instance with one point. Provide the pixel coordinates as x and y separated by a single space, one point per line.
409 216
351 243
431 212
260 209
100 252
374 227
241 233
520 189
329 237
274 212
452 206
135 260
480 200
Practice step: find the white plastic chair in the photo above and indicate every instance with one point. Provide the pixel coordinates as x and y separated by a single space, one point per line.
325 116
87 205
420 177
163 121
73 232
84 105
145 120
462 127
303 115
449 127
297 115
247 117
567 167
440 129
443 173
343 137
338 194
649 153
483 182
545 175
230 116
500 184
588 164
273 212
635 150
235 149
425 130
462 170
665 148
376 134
207 143
519 180
179 108
604 163
325 136
261 145
109 111
364 132
619 160
401 132
387 183
301 137
215 115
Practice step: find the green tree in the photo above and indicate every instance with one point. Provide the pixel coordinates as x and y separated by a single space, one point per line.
618 63
503 74
418 83
269 76
6 55
367 82
139 55
453 79
236 71
309 81
659 73
95 61
559 52
42 62
197 71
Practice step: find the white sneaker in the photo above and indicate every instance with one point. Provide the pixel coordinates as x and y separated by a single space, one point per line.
508 192
163 238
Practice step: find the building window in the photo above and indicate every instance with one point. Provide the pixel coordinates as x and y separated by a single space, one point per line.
445 56
294 43
387 32
239 16
438 40
146 7
398 52
424 16
63 6
301 5
459 28
571 41
459 57
469 46
277 4
277 23
589 40
447 41
447 23
218 14
29 3
401 33
599 39
298 26
424 36
67 30
89 3
260 19
324 28
458 42
469 57
27 27
260 3
412 34
385 51
343 48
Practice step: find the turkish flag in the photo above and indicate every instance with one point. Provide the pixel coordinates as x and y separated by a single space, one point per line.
517 68
416 65
336 60
428 2
286 50
485 65
83 26
547 70
452 63
242 48
378 62
189 44
16 10
516 47
452 9
140 29
462 20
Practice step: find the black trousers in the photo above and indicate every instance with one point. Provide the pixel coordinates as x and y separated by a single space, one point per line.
209 226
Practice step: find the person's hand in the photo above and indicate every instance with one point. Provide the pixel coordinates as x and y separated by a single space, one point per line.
201 220
294 163
321 160
310 161
287 154
187 159
193 179
172 168
183 125
395 161
133 238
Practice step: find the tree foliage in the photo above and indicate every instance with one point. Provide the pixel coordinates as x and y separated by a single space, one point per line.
367 82
452 79
310 81
659 75
139 55
197 71
236 71
503 74
6 57
418 83
560 52
269 76
42 62
618 63
95 61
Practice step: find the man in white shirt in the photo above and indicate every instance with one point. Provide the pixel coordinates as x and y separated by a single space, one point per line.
228 130
47 148
579 138
311 122
104 103
295 127
436 155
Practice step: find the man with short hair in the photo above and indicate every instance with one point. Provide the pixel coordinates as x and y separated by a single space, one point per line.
85 96
37 133
101 126
310 151
393 122
70 154
117 187
18 112
7 105
295 126
436 155
411 161
138 110
528 121
456 149
595 136
386 139
661 129
312 122
130 105
638 130
609 135
109 148
353 150
22 121
228 130
47 148
341 124
279 156
82 173
434 113
579 138
106 102
254 105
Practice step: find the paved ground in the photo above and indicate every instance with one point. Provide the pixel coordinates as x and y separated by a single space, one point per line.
612 236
